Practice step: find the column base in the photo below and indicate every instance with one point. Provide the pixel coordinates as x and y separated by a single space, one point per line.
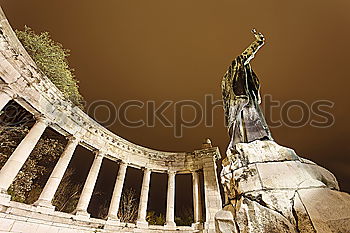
44 203
112 224
113 221
210 226
197 226
44 206
170 225
5 199
81 215
141 224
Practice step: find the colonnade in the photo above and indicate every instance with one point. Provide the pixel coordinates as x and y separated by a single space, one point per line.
22 82
23 150
15 162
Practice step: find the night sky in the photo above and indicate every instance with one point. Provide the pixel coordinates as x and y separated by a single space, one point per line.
161 50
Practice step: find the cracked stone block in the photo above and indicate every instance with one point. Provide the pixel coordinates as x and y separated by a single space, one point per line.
278 200
265 151
323 175
20 226
248 178
262 219
268 188
329 210
288 174
303 221
303 160
44 228
224 222
6 224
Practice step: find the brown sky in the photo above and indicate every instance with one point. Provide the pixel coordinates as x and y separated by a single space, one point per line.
178 50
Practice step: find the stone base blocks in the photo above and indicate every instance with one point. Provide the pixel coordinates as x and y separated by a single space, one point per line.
18 217
268 188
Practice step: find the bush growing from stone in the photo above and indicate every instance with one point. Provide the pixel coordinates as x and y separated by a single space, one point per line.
51 59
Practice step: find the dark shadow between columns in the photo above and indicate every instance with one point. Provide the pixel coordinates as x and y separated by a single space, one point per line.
183 200
157 199
102 194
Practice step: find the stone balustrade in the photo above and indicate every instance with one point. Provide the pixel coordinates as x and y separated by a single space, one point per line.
23 82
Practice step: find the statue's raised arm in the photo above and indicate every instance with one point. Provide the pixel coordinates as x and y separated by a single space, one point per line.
248 53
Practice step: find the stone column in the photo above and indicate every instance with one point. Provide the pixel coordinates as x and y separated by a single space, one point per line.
142 212
170 208
21 154
197 202
56 176
117 192
5 96
89 185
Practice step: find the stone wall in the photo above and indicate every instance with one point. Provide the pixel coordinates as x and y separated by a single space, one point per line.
24 218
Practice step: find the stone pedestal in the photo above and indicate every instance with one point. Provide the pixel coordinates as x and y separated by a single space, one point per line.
81 215
197 226
271 189
5 199
112 224
142 224
45 209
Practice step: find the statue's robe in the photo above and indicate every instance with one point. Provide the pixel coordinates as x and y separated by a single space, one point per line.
240 91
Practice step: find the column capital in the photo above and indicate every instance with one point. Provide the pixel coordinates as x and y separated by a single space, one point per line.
42 119
99 153
171 173
123 164
73 139
146 169
195 171
4 88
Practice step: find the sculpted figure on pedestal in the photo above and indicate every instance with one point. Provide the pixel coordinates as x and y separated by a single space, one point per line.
269 188
241 97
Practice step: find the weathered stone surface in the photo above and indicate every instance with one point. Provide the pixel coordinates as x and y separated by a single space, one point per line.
269 188
277 200
322 174
303 221
328 209
224 222
287 174
248 178
265 151
260 218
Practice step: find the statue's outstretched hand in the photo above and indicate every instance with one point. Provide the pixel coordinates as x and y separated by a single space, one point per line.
258 35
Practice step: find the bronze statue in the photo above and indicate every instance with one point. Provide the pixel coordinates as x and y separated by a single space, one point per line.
241 98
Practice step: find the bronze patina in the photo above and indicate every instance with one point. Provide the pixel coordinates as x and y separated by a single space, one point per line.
241 98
